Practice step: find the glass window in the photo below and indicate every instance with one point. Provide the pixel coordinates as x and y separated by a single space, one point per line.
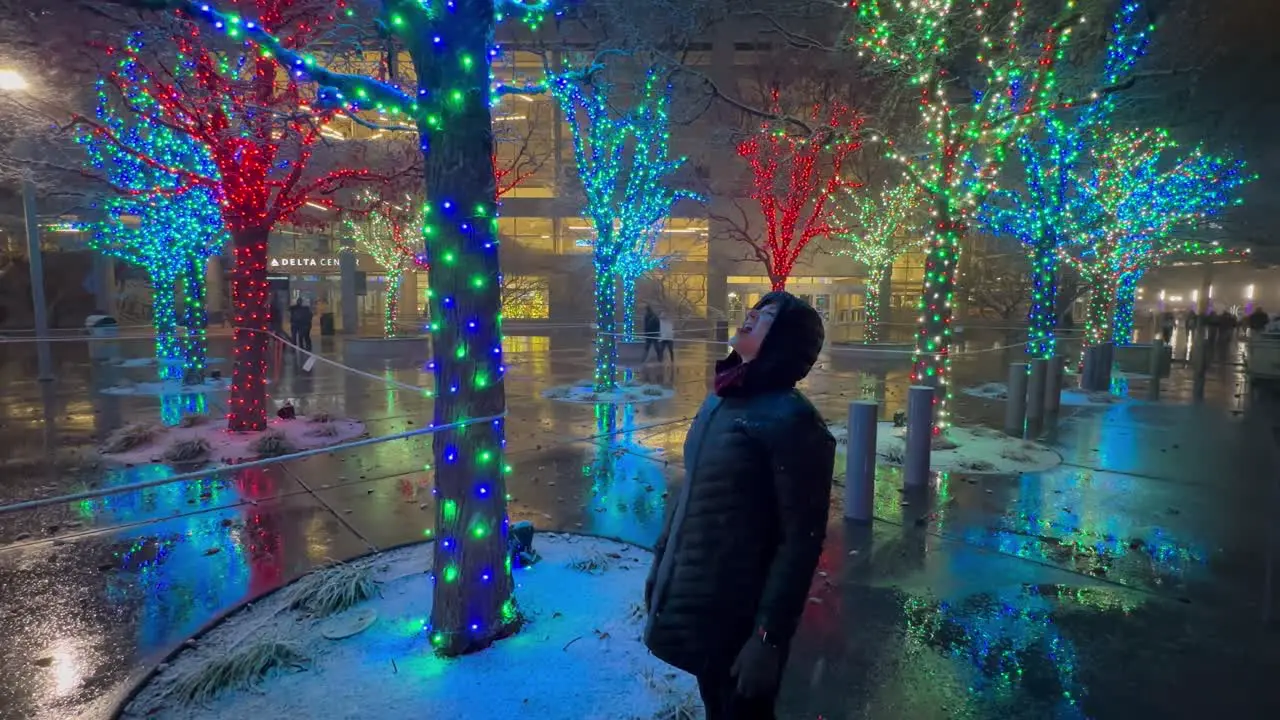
526 297
534 233
575 235
684 239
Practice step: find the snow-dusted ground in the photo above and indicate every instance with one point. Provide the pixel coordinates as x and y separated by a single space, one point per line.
1071 397
229 447
583 392
961 449
169 387
578 657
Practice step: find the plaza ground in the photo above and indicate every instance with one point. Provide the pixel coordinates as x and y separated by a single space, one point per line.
1131 581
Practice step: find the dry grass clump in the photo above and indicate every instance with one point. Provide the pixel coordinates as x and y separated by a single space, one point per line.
327 430
129 437
238 669
593 564
332 590
187 451
191 420
321 416
272 444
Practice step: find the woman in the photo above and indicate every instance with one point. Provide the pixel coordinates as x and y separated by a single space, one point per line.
733 565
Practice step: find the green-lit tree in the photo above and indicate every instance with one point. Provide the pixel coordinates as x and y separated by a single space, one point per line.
968 119
158 223
625 168
876 230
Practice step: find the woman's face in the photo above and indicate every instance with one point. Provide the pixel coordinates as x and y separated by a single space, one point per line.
750 336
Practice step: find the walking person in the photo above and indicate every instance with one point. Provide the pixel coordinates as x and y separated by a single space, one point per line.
1257 321
733 565
1166 327
652 327
300 324
666 337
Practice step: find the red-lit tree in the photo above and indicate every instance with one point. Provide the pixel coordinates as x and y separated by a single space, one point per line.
794 178
256 122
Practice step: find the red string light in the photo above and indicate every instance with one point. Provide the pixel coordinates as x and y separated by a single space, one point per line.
795 177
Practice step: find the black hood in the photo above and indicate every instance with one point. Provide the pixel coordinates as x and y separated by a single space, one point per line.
789 350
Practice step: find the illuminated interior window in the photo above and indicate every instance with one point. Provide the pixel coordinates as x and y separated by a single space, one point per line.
526 297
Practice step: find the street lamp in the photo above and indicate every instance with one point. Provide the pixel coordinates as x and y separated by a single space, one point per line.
13 81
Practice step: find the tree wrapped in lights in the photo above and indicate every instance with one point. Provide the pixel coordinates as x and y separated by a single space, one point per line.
449 43
625 170
794 179
252 117
968 122
1043 215
1138 192
876 231
158 223
385 233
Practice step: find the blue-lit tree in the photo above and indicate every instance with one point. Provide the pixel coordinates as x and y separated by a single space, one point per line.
159 223
1042 215
625 168
1138 191
450 44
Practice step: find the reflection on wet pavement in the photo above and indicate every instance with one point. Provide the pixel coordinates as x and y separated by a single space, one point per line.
1127 582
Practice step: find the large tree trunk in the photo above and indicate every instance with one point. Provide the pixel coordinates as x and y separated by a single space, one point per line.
196 318
932 365
873 301
164 320
472 604
394 276
1042 318
1098 313
250 293
606 350
1122 313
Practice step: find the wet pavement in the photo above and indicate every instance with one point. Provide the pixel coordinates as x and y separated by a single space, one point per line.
1129 582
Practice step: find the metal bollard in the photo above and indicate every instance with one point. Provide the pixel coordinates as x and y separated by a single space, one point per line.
860 461
1089 369
1200 363
915 467
1053 385
1037 383
1108 353
1015 408
1156 365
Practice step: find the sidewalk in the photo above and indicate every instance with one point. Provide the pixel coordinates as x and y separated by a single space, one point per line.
1126 583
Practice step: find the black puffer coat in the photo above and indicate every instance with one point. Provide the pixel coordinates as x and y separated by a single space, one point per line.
740 547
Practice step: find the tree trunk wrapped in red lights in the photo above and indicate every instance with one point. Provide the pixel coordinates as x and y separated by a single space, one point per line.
260 129
794 178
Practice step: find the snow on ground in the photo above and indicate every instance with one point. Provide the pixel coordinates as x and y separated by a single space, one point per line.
584 392
169 387
228 447
961 449
1071 397
578 657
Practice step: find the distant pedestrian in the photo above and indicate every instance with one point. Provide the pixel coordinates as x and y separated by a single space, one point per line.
652 328
1257 320
733 565
666 337
300 324
1166 327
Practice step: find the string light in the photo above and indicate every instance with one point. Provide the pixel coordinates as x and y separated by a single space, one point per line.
624 166
157 223
1137 192
795 206
964 141
382 234
1044 216
874 232
224 102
